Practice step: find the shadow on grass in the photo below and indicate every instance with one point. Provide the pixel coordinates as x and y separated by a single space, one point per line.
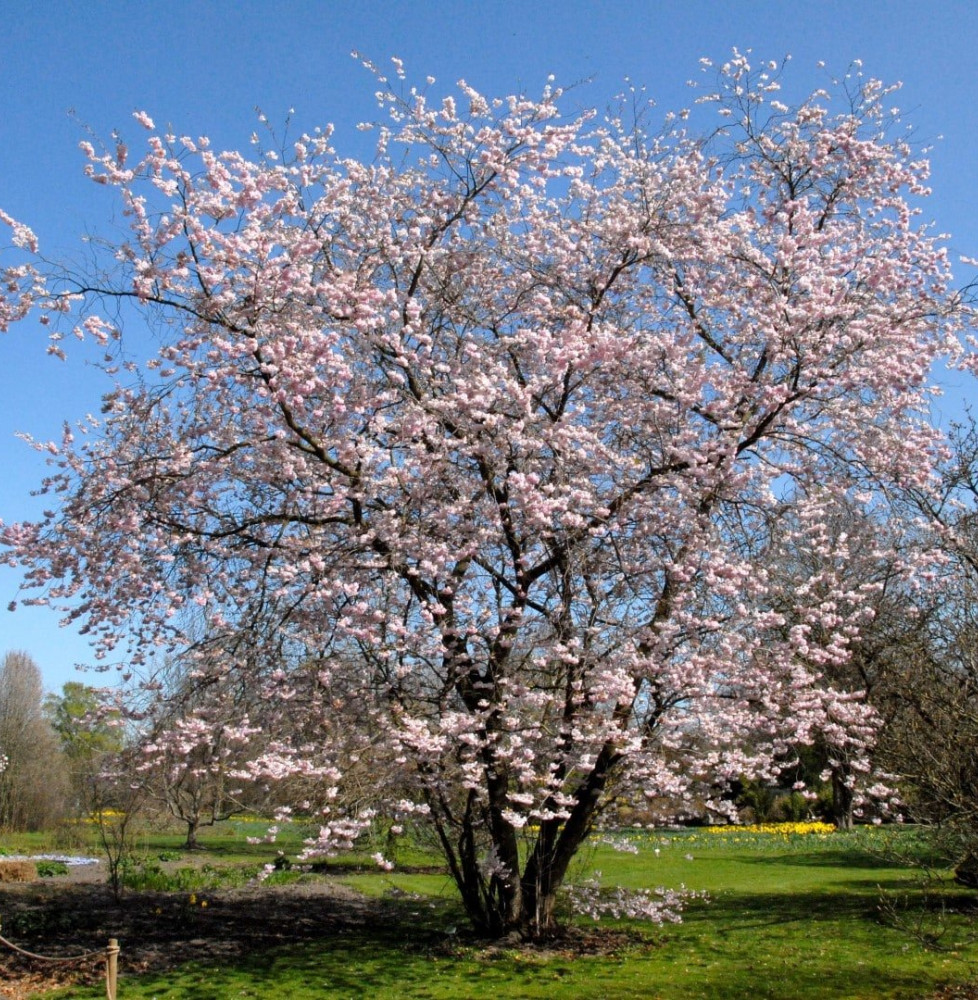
320 941
854 902
791 906
741 950
826 859
392 957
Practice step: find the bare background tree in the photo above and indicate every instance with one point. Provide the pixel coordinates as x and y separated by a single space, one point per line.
34 787
930 735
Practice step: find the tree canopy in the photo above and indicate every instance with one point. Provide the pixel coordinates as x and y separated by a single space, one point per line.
465 456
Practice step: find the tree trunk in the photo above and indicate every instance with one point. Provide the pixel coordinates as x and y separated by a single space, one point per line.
966 871
499 901
502 906
192 843
557 845
841 799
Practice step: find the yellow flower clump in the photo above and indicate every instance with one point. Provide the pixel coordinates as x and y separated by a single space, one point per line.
779 829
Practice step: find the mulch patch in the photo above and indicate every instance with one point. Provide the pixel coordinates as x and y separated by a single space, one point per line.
157 931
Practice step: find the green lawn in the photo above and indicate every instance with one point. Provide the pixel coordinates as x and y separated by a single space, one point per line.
786 919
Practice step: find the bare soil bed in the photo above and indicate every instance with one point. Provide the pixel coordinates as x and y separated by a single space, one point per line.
74 913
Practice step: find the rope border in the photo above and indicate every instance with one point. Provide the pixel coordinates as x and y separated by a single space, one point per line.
48 958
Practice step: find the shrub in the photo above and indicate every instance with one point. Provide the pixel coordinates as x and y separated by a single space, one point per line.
48 869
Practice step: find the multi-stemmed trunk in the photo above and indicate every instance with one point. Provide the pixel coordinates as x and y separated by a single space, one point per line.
524 907
519 899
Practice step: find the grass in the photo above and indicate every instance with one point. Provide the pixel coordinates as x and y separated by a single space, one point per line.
787 918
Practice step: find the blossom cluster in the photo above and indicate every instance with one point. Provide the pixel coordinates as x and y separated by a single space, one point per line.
658 906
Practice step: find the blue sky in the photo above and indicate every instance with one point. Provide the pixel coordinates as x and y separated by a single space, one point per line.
204 66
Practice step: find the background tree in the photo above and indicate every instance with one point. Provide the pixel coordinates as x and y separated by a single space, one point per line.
188 750
207 747
879 554
33 786
90 728
931 734
490 429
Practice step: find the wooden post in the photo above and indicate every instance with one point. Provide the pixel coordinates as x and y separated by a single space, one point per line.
111 968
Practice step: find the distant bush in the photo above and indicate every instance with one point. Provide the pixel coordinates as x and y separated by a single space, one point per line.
147 875
48 869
